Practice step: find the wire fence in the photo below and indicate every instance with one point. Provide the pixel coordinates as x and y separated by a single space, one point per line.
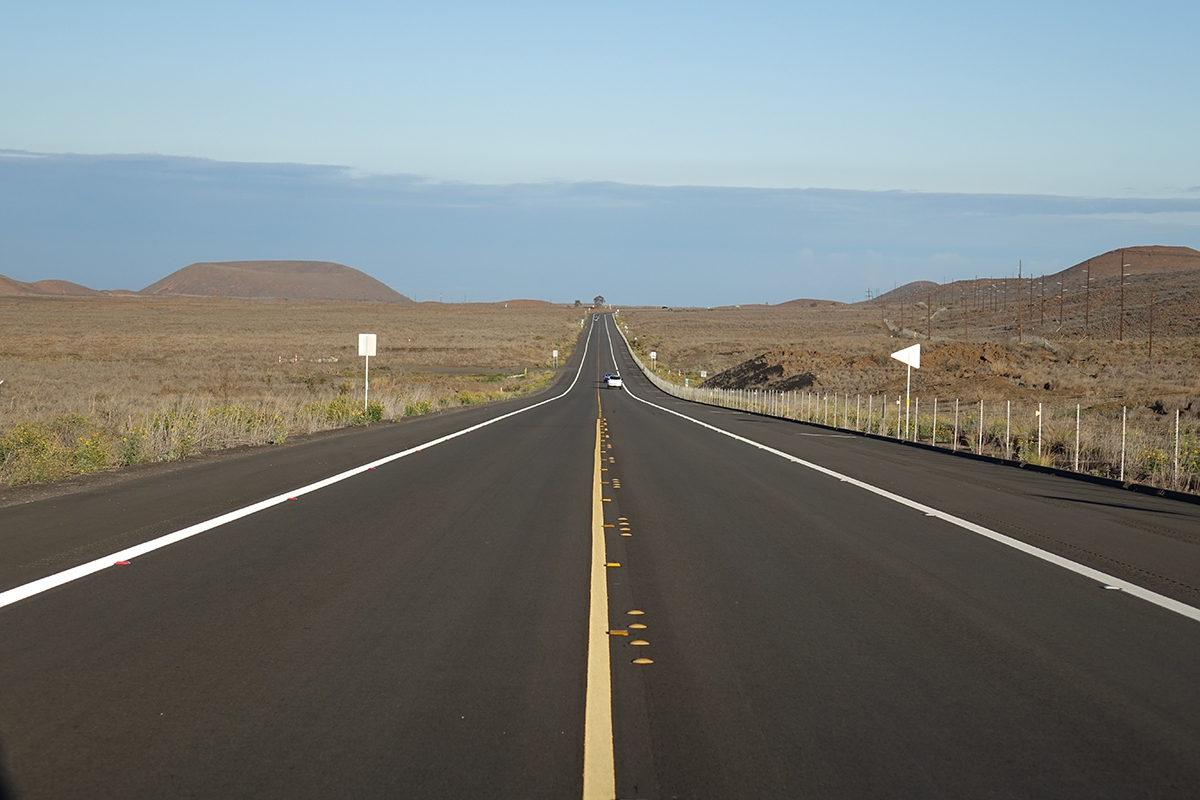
1164 453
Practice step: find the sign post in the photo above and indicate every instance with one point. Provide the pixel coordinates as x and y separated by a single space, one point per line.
366 349
912 357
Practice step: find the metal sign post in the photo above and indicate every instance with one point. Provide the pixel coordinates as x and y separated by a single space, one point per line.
912 357
366 349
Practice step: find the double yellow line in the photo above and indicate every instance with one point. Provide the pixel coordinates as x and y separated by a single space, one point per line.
599 772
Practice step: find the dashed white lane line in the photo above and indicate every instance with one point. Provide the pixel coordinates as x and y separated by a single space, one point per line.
66 576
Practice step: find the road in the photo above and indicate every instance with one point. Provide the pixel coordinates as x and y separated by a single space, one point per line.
822 615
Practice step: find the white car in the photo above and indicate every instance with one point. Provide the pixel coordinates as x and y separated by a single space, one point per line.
613 381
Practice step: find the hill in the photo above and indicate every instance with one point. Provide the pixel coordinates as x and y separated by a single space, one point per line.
810 302
299 280
50 288
1142 260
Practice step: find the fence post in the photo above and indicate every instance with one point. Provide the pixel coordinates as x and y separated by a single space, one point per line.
934 437
1122 474
1177 448
870 411
1077 437
954 448
1008 430
916 420
980 450
858 413
1039 416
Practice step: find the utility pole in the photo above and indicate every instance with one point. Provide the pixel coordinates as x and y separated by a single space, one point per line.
1121 326
1151 353
1087 297
1042 302
1020 317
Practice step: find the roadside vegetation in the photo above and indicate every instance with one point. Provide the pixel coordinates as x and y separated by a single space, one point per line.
95 384
832 363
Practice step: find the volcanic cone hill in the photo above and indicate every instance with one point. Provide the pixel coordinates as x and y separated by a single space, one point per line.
298 280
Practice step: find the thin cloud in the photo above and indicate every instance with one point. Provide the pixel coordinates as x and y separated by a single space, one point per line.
109 221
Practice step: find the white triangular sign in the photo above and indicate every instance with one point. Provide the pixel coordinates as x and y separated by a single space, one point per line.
910 356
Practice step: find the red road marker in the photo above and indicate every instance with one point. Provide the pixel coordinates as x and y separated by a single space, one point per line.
291 498
121 563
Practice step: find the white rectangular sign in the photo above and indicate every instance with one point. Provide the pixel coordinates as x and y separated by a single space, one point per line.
366 344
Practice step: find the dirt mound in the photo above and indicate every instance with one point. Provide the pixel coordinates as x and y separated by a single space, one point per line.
14 288
984 369
299 280
778 370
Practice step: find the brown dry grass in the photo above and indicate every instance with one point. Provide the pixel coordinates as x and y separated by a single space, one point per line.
84 376
1060 363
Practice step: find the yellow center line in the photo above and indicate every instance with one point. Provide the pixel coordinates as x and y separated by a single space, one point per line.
599 771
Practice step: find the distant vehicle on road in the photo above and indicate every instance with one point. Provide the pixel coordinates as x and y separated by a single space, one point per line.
613 381
595 316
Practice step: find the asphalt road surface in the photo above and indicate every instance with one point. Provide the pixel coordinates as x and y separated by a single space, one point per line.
820 615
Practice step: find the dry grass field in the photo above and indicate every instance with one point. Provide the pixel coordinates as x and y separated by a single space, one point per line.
93 383
1058 353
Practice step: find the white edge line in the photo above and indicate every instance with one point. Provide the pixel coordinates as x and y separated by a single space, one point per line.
1183 609
32 588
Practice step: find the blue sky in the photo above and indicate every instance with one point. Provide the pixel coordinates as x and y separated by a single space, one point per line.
1074 100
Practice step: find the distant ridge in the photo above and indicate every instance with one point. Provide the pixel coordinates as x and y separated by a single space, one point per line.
297 280
810 302
49 288
1140 260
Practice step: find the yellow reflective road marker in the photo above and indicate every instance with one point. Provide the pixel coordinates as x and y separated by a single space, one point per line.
599 772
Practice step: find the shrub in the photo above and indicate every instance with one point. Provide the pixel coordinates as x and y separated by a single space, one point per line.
417 408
